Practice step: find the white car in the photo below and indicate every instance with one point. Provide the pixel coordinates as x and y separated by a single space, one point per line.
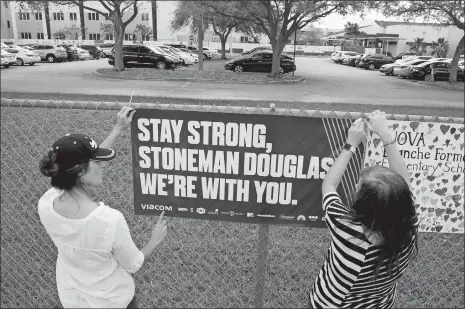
7 58
23 56
82 53
339 57
5 46
211 53
186 58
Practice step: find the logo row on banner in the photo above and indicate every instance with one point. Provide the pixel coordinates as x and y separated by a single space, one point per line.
268 169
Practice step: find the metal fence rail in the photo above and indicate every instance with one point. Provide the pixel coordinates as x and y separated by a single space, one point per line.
201 263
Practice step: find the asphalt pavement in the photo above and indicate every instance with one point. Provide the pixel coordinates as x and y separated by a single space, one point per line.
326 82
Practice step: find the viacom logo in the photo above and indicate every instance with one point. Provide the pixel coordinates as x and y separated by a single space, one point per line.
182 209
283 217
201 211
250 215
301 218
313 218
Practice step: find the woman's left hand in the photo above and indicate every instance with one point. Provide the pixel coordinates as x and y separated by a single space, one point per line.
356 133
124 118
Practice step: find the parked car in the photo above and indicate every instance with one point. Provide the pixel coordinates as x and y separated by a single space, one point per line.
259 62
23 56
106 48
256 49
194 49
402 69
4 46
94 51
337 58
7 58
405 54
82 53
146 55
185 57
70 51
169 51
51 53
346 54
349 60
374 61
359 58
441 68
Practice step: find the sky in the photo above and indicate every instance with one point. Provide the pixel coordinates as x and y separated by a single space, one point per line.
336 21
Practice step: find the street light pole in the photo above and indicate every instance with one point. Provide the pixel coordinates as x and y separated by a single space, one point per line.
295 38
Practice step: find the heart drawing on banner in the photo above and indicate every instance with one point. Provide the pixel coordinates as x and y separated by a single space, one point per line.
452 131
455 177
456 189
461 129
414 125
395 126
444 129
376 142
441 192
435 139
430 125
456 136
439 212
430 177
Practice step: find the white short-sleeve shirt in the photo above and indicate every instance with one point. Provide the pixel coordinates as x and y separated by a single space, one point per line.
96 256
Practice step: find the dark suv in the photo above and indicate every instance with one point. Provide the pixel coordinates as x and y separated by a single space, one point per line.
95 52
145 55
375 61
71 52
441 68
259 62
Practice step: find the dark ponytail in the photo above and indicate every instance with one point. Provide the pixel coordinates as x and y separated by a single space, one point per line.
63 179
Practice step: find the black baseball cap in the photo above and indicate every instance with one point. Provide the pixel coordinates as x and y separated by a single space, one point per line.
74 149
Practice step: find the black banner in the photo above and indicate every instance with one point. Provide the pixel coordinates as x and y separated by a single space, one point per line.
232 167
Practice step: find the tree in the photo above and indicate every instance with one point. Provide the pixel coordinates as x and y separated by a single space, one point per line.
311 37
351 29
221 24
81 18
107 30
72 33
154 19
60 35
114 10
144 32
440 48
444 12
279 19
418 46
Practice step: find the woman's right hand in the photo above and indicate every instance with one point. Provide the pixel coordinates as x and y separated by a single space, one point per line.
159 231
377 123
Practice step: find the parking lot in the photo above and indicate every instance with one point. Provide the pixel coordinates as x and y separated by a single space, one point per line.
325 82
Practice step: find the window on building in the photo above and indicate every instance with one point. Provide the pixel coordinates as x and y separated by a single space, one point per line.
6 4
108 36
146 16
94 36
38 16
58 16
128 36
8 23
24 16
93 16
73 16
40 35
26 35
216 39
143 16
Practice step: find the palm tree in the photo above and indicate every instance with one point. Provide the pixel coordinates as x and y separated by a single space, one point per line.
440 48
418 46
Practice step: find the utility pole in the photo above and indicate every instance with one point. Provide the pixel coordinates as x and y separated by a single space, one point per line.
200 39
295 39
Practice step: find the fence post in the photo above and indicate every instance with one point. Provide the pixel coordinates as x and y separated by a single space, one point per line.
261 266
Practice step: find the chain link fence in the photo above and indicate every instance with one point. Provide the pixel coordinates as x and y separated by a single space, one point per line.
200 263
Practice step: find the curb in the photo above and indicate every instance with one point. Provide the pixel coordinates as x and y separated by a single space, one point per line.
193 80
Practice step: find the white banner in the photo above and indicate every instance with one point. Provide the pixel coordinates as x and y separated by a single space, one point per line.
434 154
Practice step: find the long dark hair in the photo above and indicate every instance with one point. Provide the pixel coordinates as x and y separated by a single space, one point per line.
385 205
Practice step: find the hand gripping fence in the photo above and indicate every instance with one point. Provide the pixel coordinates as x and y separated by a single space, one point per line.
201 263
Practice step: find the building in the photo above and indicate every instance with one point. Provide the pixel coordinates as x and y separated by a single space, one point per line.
17 24
396 37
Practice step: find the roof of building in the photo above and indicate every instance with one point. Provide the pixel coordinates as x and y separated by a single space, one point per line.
385 23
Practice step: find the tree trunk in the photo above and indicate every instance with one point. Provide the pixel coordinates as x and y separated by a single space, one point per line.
154 20
223 47
200 39
47 19
277 52
455 61
81 18
119 39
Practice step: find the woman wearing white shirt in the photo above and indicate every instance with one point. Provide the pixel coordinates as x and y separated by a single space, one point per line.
96 254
